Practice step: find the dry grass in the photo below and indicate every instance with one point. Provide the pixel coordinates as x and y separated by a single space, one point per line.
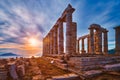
49 69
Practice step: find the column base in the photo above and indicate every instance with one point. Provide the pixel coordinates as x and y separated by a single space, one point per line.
83 51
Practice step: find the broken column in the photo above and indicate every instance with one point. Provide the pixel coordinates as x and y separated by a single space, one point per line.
60 38
117 39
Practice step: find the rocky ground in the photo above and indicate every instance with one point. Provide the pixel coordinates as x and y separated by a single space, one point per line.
42 69
106 76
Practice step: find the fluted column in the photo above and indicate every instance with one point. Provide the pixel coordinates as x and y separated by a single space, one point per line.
78 47
117 39
51 42
105 42
95 41
68 33
47 44
43 46
83 47
91 40
88 45
60 38
74 37
55 40
99 42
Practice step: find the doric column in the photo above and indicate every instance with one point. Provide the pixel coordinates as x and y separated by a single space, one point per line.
117 39
78 47
83 47
60 38
51 42
69 10
88 44
68 33
99 41
105 42
45 52
55 31
91 41
43 46
47 44
74 37
95 41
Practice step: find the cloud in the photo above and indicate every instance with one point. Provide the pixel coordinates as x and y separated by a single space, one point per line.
20 19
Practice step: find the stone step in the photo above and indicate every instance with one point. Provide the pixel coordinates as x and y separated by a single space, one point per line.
91 73
112 67
66 77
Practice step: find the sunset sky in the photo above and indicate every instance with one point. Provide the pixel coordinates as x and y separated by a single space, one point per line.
23 20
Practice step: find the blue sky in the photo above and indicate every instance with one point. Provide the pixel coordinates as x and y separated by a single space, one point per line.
20 19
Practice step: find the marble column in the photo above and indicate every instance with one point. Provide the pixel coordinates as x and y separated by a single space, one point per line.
91 40
68 18
60 39
88 44
117 39
46 45
95 42
83 47
51 43
105 42
74 37
55 40
68 33
43 46
78 47
99 42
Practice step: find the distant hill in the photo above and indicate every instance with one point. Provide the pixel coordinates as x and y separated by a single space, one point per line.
8 54
112 51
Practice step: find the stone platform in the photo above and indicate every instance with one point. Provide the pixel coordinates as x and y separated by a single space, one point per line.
93 63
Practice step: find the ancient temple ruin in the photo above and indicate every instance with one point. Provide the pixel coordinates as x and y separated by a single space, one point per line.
53 43
77 57
94 40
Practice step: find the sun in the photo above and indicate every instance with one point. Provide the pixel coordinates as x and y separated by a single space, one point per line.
33 42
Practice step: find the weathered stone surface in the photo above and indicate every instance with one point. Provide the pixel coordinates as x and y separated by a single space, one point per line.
117 39
60 39
112 67
88 63
96 39
54 44
105 42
